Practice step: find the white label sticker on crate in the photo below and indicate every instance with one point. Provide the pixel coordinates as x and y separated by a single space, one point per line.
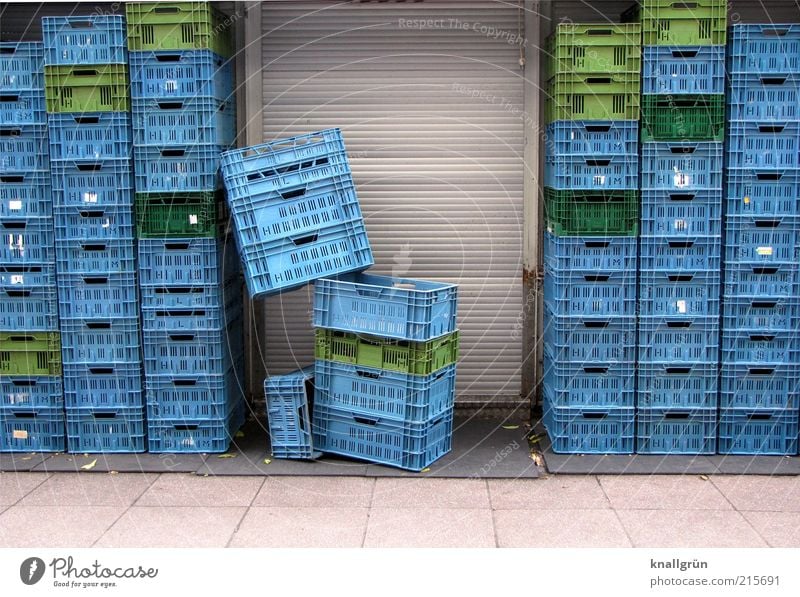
19 434
15 205
90 197
681 306
193 219
680 225
18 279
764 251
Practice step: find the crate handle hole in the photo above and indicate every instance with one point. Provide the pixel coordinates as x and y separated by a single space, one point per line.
21 339
87 120
599 32
596 278
597 128
168 58
596 370
763 304
81 24
98 325
595 324
173 153
773 80
84 72
679 324
598 163
170 105
181 337
372 292
684 5
759 416
91 214
594 415
176 246
104 415
95 280
681 244
101 370
680 277
367 374
774 31
184 382
678 370
18 293
10 132
762 337
767 223
676 416
683 149
185 427
12 179
771 128
9 97
11 50
761 370
765 271
682 196
25 414
93 247
304 240
294 193
684 53
596 244
90 167
167 9
14 225
598 80
365 421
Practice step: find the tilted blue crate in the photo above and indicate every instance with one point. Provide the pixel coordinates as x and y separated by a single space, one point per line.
758 431
181 74
673 70
31 430
90 136
35 392
165 122
669 213
571 254
91 39
103 385
764 48
290 400
755 385
682 167
679 294
95 430
592 137
689 385
21 66
584 430
25 195
676 431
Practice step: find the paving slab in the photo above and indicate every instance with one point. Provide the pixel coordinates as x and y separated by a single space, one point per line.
319 492
15 486
762 493
13 462
123 463
757 465
55 526
663 492
561 492
62 489
302 527
559 528
689 528
430 493
430 527
779 529
189 489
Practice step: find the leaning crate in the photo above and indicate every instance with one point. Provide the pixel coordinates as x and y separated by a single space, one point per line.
21 66
758 431
31 392
32 430
590 339
592 137
407 445
167 168
764 98
596 254
683 386
676 213
23 149
683 118
92 136
22 107
415 310
95 430
670 340
108 222
576 96
28 308
568 384
24 353
193 435
26 195
590 294
759 386
594 48
100 341
186 262
178 26
760 347
96 256
383 393
26 241
183 121
170 74
764 145
761 314
680 254
677 23
753 192
195 398
676 431
584 430
762 240
764 49
693 293
80 40
105 295
103 385
87 88
180 215
679 70
592 172
591 213
682 167
92 183
290 402
759 280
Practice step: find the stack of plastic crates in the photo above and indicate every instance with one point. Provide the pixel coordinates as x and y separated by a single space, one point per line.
760 386
683 73
182 94
386 352
591 209
86 88
31 398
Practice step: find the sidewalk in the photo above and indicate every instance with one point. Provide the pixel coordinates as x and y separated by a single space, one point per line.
180 510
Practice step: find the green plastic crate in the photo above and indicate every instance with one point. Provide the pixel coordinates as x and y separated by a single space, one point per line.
30 353
415 358
595 48
156 26
583 96
681 22
87 88
180 215
592 213
683 118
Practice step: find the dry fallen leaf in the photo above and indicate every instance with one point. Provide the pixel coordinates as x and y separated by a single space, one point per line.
267 461
426 469
537 458
510 426
26 457
228 455
704 477
90 466
113 472
239 434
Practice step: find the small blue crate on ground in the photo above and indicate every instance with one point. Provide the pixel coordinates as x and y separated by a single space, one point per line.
590 294
31 430
590 339
763 98
181 74
95 257
26 241
676 431
592 172
103 385
170 168
100 340
290 401
758 431
187 261
669 340
593 137
194 436
23 149
22 108
198 352
764 146
590 430
762 193
680 253
28 308
588 384
89 136
195 398
671 70
764 49
398 308
760 346
25 195
31 392
687 386
681 167
107 222
21 66
94 430
92 184
572 254
753 385
762 314
758 280
81 40
407 445
88 296
682 294
166 122
762 240
665 213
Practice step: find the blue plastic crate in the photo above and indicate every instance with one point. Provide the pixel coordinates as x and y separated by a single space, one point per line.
680 253
166 169
676 431
757 431
682 167
32 430
675 214
196 398
570 254
193 319
761 314
290 400
380 393
191 436
593 384
21 66
410 445
102 223
672 70
753 385
590 340
765 48
592 172
34 309
590 430
690 385
28 276
197 296
760 347
763 98
202 352
96 256
669 340
100 340
90 136
165 122
764 146
181 74
93 184
35 392
26 241
416 310
592 137
95 430
590 294
22 108
761 281
187 262
91 39
103 385
88 296
755 193
762 240
25 195
23 149
679 294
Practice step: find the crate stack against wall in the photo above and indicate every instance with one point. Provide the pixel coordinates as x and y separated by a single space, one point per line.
86 88
182 92
682 138
760 382
591 210
31 402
